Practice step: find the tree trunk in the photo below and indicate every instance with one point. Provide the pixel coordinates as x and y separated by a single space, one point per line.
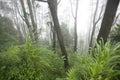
51 4
26 19
33 20
75 27
94 24
108 19
53 37
53 32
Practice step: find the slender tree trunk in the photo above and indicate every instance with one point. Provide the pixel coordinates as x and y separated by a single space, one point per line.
54 33
26 19
53 37
75 27
51 4
94 24
108 19
33 20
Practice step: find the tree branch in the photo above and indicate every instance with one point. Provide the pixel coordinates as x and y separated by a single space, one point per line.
95 12
116 19
42 0
58 2
100 15
20 14
72 9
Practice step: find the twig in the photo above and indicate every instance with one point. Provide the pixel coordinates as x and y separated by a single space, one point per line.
42 0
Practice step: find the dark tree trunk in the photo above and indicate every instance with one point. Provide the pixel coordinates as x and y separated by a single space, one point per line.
108 19
53 37
51 4
53 32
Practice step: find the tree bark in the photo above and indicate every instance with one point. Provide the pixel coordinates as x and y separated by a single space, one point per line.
33 20
53 37
51 4
108 19
54 33
26 19
75 27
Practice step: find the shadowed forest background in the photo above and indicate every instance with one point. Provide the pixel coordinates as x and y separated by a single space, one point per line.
47 40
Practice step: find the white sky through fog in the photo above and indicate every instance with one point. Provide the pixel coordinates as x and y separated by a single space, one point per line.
84 13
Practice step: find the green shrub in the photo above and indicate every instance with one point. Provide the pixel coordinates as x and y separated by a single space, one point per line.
98 66
115 34
30 62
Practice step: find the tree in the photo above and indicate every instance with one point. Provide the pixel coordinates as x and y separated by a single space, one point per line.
32 17
31 24
52 5
95 22
53 29
16 21
108 19
26 19
75 25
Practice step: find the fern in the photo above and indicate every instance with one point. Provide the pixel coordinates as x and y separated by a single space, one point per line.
101 66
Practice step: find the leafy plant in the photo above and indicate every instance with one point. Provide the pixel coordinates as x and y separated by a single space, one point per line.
30 62
115 34
101 66
33 62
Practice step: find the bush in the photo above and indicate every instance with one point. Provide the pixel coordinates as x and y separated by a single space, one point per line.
30 62
101 66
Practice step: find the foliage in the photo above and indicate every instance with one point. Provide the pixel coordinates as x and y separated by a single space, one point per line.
30 62
101 65
115 34
33 62
7 33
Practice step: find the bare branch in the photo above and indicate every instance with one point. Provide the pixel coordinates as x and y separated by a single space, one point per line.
95 13
100 15
20 13
21 16
115 20
72 9
42 0
102 10
58 2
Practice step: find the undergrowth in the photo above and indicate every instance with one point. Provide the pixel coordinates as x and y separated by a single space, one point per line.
32 62
101 63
